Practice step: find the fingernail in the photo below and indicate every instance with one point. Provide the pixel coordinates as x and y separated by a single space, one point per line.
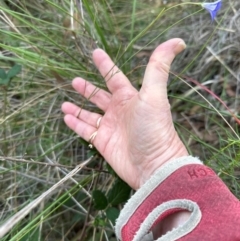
182 44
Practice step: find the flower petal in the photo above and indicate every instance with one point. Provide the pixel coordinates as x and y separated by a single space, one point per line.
212 8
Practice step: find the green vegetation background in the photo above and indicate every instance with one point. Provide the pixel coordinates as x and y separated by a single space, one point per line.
45 44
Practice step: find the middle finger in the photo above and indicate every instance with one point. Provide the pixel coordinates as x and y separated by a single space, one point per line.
99 97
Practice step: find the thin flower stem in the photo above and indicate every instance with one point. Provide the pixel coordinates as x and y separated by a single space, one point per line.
180 4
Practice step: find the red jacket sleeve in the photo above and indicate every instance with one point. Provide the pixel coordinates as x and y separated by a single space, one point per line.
182 184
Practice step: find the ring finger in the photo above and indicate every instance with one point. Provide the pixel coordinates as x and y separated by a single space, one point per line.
82 128
90 118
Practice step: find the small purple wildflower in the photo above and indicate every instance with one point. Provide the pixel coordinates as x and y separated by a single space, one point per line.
213 8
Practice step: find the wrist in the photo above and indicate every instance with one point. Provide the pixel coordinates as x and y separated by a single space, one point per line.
175 151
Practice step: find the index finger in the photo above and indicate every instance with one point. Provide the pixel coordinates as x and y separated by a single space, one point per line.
114 77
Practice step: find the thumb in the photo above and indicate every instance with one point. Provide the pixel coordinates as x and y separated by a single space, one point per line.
157 71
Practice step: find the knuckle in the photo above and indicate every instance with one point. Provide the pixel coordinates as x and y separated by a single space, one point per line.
160 66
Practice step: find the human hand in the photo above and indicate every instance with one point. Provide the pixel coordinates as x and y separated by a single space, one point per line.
136 134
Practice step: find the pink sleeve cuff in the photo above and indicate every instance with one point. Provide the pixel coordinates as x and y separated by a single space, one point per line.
182 184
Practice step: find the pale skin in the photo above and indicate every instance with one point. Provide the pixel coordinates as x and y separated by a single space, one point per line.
136 135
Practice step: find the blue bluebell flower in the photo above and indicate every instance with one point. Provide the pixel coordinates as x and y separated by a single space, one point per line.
212 8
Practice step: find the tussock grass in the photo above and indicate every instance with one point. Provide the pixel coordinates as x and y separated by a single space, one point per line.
52 40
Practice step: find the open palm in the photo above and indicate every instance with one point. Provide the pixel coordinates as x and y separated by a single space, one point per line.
136 134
